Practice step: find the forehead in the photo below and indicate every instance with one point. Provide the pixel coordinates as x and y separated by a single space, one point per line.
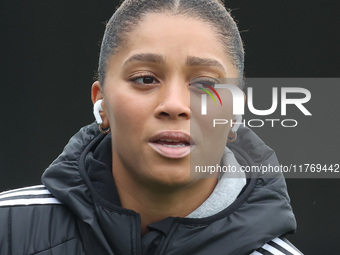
175 37
174 28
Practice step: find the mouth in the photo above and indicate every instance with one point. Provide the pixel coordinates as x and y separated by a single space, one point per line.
171 144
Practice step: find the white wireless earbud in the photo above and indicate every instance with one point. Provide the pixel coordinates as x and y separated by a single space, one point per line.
97 107
238 123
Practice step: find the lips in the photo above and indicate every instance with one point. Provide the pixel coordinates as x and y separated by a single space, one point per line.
171 144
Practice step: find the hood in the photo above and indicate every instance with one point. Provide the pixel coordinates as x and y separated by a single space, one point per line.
81 179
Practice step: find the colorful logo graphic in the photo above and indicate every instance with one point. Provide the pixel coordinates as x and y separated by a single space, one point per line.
237 94
213 90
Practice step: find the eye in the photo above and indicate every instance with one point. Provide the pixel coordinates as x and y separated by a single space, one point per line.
145 79
203 83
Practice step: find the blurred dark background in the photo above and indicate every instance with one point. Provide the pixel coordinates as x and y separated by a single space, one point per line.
49 54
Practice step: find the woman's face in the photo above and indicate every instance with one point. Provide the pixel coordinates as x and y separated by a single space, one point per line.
149 103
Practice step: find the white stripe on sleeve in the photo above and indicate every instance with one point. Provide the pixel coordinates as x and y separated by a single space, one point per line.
255 253
272 249
31 201
21 189
286 246
25 192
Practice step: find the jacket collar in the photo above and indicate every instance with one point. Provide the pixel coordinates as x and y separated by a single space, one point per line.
81 178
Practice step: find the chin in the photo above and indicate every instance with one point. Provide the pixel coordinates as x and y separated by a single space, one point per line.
171 178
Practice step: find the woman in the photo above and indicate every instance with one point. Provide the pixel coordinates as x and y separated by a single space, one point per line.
124 186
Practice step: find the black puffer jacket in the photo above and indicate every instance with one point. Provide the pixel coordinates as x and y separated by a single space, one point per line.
77 210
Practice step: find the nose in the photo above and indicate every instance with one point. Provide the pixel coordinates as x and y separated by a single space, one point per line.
174 102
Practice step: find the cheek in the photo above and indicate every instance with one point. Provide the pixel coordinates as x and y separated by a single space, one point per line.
212 140
127 116
217 122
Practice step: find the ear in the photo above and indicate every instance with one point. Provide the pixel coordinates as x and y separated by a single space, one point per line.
97 94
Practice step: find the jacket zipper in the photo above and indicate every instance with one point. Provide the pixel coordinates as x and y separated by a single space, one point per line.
166 240
138 231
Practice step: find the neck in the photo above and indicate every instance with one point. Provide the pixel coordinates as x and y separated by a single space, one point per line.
155 203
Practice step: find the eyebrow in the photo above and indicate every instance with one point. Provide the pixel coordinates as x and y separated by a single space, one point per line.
196 61
159 59
145 57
